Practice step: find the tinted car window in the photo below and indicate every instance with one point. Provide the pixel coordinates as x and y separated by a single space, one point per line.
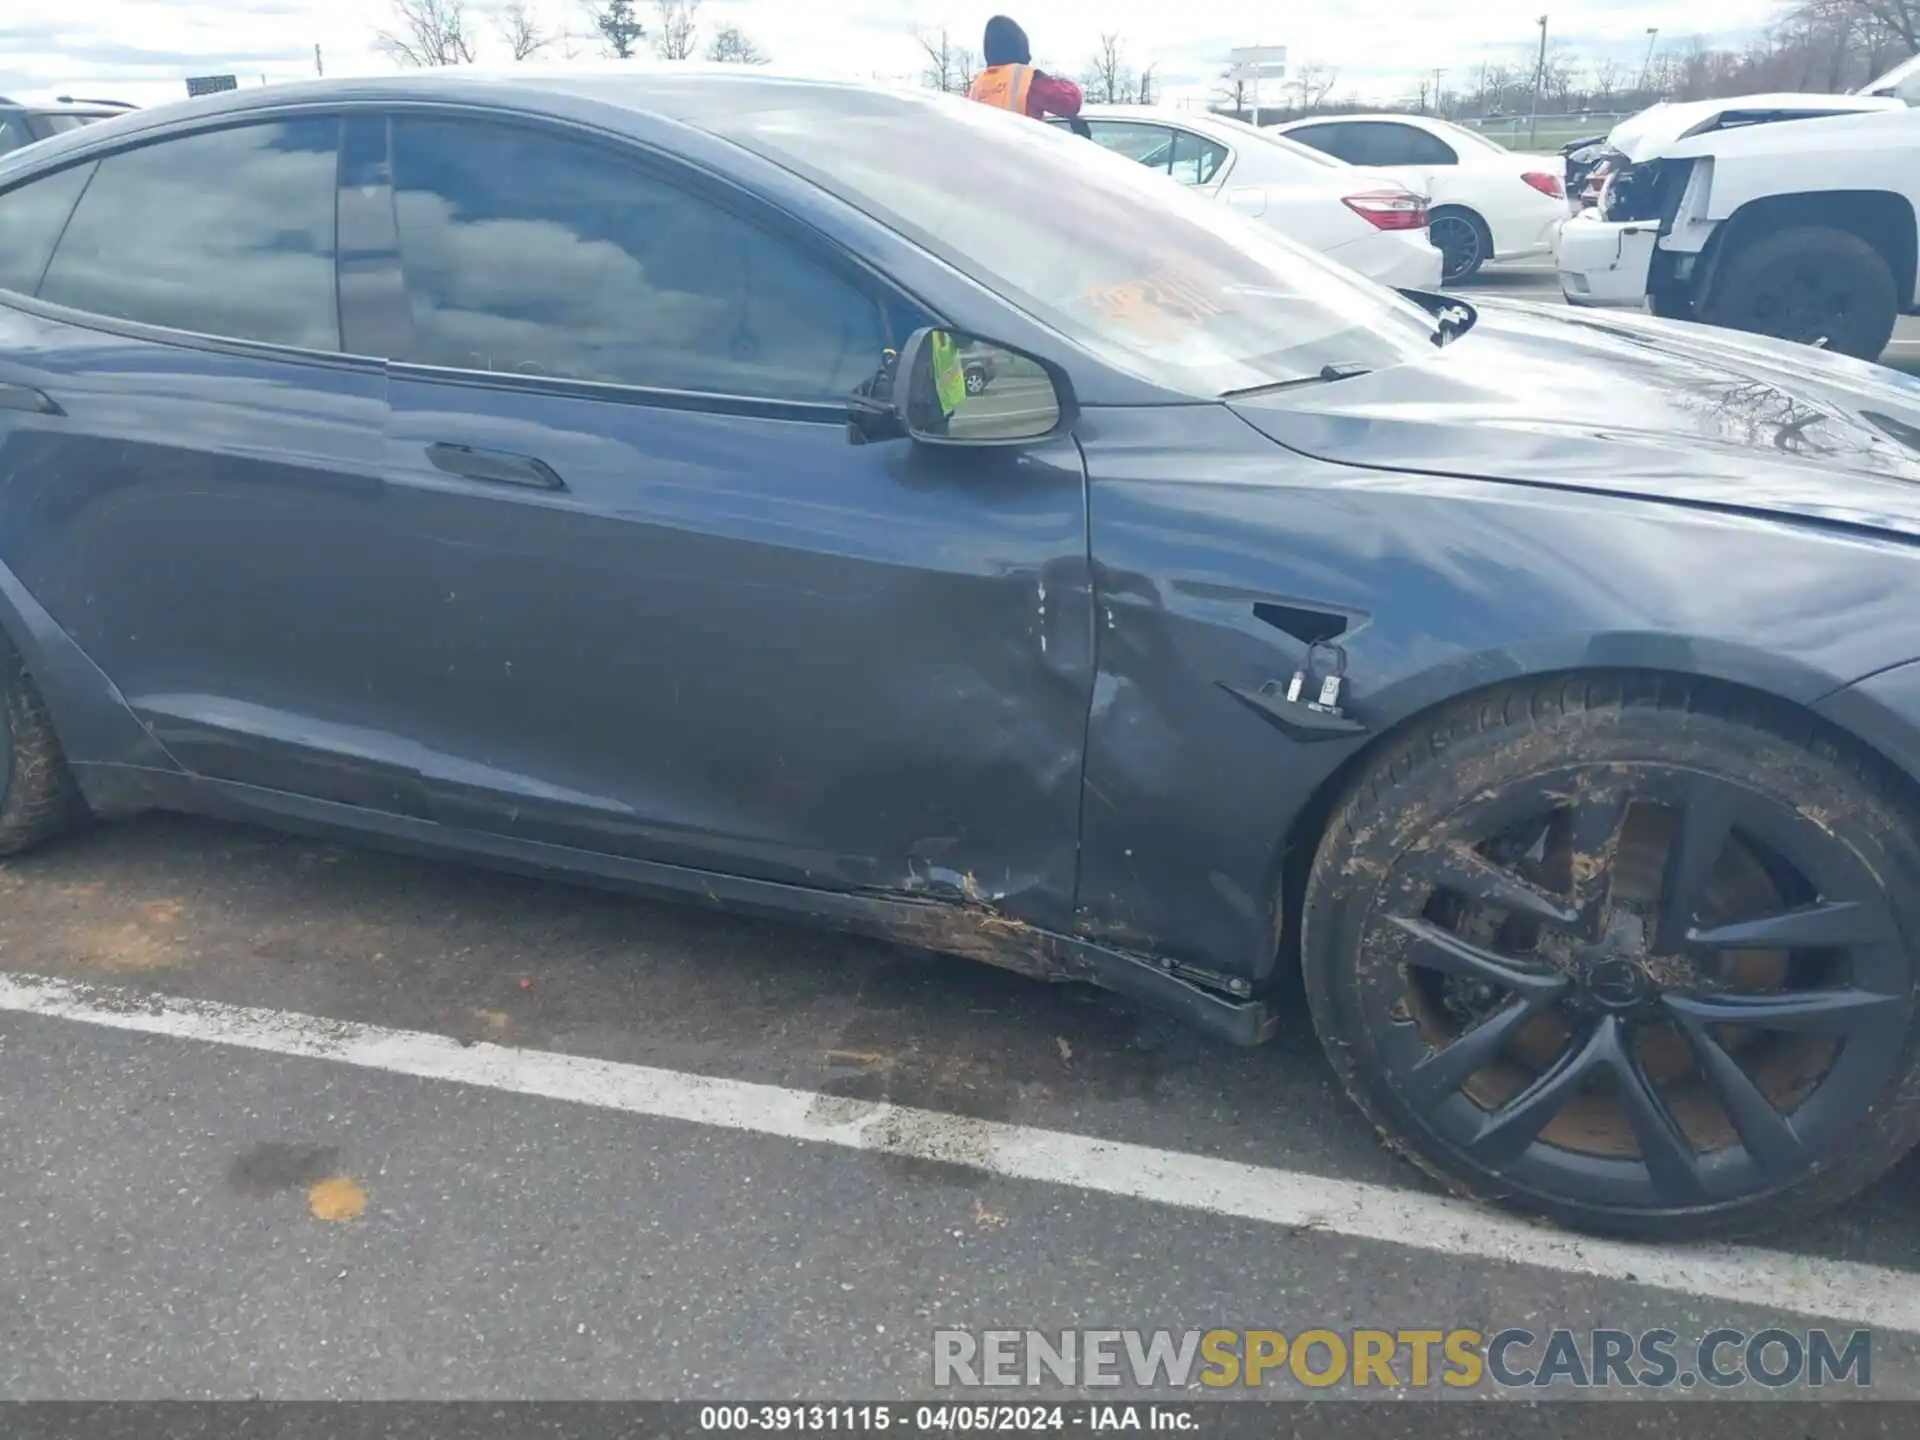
1149 144
1344 142
1196 160
528 253
1389 144
30 221
228 232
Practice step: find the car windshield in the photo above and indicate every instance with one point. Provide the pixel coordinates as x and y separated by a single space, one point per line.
65 121
1173 287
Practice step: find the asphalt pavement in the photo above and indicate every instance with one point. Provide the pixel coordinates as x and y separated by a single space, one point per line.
307 1121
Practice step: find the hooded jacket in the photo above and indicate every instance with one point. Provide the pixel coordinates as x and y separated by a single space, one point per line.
1005 44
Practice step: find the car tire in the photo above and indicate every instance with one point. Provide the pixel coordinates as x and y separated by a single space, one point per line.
38 798
1470 986
1804 284
1463 240
1669 305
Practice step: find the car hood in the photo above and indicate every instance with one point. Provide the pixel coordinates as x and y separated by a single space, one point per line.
1627 405
1647 135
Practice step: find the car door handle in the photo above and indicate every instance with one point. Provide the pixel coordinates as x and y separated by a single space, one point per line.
497 467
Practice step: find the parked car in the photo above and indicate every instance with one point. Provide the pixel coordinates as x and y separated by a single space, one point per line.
1367 220
537 468
1581 159
23 121
978 368
1487 202
1804 231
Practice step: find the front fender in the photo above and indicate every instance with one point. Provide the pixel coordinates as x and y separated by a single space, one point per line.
1218 556
1883 711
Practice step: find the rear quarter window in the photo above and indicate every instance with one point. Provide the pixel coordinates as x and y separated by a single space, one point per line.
31 219
227 233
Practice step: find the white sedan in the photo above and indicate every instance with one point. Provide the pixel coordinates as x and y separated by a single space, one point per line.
1368 222
1489 202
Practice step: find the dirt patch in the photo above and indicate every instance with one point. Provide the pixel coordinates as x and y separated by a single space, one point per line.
146 940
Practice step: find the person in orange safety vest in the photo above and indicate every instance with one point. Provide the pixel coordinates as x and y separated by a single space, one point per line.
1010 81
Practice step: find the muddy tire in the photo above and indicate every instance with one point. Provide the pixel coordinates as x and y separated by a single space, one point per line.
38 798
1626 953
1808 285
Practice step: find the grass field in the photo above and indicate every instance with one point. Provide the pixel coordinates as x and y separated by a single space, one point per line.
1553 132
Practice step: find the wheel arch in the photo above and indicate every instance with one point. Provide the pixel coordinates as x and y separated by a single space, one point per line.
1472 217
1883 219
95 724
1785 691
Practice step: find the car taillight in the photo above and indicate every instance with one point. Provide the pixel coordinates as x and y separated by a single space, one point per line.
1546 184
1390 209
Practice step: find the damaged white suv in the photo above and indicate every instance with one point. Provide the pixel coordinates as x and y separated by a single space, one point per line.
1785 215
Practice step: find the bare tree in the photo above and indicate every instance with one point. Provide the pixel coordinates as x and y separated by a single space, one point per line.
1558 79
1311 86
620 29
1144 92
1606 80
676 30
733 46
947 65
1232 95
427 33
522 30
1900 18
1108 77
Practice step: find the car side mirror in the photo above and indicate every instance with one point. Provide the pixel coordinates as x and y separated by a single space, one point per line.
950 388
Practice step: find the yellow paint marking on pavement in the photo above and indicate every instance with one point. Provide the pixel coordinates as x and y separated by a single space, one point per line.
337 1197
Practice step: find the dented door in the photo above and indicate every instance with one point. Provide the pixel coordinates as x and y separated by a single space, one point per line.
740 643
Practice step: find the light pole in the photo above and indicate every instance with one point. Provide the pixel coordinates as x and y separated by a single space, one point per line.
1439 103
1646 70
1539 74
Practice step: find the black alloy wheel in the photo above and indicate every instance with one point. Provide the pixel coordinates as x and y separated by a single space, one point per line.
1811 286
1462 245
1639 965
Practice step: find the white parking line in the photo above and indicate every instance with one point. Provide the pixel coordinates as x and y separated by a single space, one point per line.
1771 1280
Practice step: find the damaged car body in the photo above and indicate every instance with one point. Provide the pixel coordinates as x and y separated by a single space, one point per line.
1791 216
689 484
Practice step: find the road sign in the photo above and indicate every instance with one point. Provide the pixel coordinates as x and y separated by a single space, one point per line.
211 84
1257 62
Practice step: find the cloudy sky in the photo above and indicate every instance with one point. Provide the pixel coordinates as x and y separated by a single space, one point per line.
141 50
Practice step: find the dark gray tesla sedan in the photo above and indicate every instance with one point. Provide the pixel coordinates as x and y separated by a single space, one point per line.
571 472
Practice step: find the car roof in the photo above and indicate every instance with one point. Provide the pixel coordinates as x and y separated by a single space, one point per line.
1392 117
690 94
676 89
71 107
1222 127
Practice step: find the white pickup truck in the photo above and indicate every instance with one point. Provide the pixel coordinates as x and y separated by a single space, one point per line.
1784 215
